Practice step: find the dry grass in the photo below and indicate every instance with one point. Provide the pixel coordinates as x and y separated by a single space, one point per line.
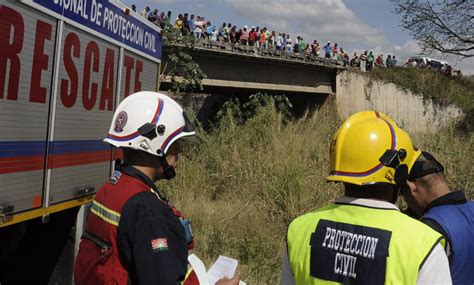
243 185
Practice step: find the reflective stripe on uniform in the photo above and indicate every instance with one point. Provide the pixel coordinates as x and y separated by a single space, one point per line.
190 270
106 214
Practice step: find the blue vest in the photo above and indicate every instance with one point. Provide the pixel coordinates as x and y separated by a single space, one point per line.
458 223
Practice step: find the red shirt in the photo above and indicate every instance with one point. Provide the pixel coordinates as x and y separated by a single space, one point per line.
252 35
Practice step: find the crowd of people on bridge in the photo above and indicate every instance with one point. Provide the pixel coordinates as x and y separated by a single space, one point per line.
263 39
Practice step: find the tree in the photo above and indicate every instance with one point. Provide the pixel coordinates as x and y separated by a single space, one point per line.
446 26
183 73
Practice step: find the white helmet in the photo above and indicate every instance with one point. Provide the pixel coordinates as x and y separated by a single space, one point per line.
150 122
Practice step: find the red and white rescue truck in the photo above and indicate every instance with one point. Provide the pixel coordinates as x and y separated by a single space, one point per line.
64 66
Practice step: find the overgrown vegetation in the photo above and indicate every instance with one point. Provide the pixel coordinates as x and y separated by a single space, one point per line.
435 86
244 183
179 67
241 111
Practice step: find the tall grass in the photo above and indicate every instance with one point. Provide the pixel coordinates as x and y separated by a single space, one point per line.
243 184
455 150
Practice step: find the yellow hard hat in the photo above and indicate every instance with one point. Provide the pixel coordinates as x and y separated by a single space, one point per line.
370 148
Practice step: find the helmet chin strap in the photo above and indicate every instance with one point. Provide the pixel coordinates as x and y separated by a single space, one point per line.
168 170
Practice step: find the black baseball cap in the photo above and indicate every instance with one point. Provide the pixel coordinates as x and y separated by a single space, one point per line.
425 164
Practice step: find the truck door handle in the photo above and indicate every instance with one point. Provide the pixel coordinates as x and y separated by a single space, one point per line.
84 191
5 212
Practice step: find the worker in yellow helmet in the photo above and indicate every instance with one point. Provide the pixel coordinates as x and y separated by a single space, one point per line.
363 238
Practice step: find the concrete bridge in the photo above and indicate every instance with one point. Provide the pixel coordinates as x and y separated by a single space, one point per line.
237 71
241 70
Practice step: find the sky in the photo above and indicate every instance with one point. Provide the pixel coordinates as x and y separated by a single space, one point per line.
356 25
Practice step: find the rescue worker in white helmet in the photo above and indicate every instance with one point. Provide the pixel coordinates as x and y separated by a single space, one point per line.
133 234
363 238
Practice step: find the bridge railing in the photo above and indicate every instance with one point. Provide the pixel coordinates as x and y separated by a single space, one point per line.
264 52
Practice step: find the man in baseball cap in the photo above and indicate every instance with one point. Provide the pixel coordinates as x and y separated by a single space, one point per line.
449 212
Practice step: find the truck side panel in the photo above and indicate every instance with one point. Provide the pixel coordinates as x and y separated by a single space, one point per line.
138 74
26 68
86 94
60 80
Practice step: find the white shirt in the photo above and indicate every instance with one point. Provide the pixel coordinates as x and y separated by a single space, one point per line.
198 26
214 36
435 270
279 41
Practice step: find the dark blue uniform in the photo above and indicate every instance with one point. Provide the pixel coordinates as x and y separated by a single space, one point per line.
453 216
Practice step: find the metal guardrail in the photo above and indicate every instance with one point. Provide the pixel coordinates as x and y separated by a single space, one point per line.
265 52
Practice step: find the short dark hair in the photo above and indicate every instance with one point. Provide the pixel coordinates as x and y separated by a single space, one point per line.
429 180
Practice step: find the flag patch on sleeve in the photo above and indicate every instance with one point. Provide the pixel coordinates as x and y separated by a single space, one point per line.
159 244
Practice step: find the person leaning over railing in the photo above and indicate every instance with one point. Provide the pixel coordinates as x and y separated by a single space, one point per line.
211 32
198 27
178 23
307 52
244 37
167 18
145 11
327 50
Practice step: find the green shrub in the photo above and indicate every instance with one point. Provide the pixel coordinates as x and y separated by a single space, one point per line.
242 110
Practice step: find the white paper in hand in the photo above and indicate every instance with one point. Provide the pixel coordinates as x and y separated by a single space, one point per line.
224 267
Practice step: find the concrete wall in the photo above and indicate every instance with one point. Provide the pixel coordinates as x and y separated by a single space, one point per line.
356 91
